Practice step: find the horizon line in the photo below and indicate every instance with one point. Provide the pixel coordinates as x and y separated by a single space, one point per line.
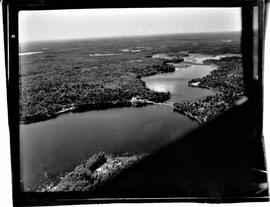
127 36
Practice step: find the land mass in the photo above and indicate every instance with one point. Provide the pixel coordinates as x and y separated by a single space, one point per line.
97 170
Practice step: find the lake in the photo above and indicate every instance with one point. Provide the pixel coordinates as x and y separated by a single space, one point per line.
58 145
177 83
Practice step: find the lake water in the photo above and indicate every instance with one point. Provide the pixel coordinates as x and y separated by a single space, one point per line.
60 144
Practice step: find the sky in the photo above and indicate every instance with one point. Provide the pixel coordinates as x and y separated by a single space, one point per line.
44 25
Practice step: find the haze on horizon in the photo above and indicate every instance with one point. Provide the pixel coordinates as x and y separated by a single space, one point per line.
48 25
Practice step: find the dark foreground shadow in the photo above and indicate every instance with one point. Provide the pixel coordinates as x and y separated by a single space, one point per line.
219 162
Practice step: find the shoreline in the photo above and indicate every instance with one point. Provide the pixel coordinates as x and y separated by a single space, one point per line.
189 115
80 108
87 176
85 108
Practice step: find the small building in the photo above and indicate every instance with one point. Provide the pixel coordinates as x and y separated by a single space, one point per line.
138 101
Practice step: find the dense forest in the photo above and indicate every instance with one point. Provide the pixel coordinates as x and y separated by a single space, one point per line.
85 87
90 74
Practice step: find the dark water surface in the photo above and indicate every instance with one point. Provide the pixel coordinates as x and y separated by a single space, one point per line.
59 145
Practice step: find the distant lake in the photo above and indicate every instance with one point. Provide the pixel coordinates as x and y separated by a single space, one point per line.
59 145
